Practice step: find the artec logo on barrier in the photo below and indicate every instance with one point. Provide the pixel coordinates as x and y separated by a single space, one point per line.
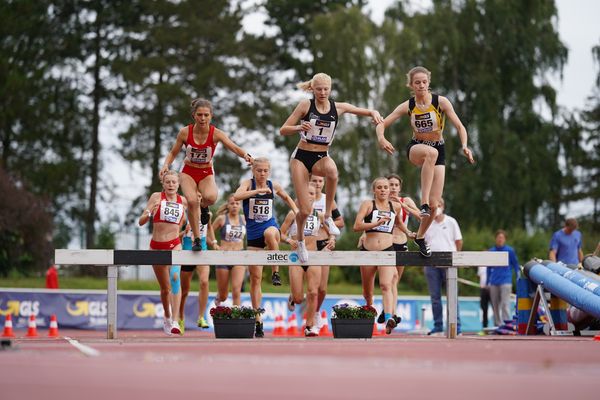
278 257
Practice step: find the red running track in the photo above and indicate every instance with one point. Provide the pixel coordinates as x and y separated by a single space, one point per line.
148 365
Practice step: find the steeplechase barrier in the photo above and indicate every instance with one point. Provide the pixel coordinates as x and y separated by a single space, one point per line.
112 259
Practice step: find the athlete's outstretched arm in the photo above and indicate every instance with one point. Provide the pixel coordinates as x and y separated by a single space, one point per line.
171 155
279 191
401 110
290 126
447 107
365 112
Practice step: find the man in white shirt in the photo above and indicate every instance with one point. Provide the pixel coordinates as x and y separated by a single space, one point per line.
443 235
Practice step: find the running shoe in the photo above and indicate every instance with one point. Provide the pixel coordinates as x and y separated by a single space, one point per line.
197 245
311 331
390 325
381 317
202 323
333 230
259 332
425 211
217 302
318 321
167 326
276 279
182 326
290 304
302 253
423 247
398 319
436 331
204 215
175 330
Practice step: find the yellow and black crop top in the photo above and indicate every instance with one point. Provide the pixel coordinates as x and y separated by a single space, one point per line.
431 119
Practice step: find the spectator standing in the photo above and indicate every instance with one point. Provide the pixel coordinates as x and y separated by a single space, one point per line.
565 245
500 279
52 277
443 235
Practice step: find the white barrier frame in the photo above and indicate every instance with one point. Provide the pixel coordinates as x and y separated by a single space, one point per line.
112 259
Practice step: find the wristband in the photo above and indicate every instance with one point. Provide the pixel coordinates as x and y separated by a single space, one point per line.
149 213
215 241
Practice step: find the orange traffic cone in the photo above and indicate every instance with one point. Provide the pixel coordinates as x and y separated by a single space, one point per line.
324 330
53 330
292 325
375 330
278 330
8 328
31 327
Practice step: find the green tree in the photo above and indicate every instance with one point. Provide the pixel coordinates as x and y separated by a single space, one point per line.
178 51
43 135
491 59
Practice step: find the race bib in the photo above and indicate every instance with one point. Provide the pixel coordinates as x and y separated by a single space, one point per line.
311 226
389 225
202 229
199 156
424 123
234 233
321 131
171 211
260 210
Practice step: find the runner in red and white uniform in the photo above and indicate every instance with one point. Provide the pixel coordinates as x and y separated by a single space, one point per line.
200 140
167 210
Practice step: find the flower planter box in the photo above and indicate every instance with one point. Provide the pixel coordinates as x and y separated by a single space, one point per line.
234 328
352 328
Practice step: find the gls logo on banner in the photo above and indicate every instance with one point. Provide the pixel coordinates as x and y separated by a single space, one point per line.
23 308
277 257
87 308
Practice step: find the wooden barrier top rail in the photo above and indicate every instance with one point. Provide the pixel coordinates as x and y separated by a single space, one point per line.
339 258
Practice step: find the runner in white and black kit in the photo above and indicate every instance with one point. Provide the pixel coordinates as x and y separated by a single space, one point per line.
289 233
399 237
325 241
377 219
318 119
232 227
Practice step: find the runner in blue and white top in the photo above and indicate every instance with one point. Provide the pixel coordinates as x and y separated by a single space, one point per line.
262 230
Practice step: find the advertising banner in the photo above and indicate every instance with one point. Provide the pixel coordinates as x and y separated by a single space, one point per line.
141 310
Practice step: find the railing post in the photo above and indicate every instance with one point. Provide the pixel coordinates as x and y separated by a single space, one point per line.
111 323
452 302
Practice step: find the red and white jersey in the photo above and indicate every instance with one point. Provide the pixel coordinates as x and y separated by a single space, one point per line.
170 212
200 153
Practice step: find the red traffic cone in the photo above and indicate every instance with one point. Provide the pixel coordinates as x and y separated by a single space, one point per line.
375 330
31 327
278 330
292 326
53 330
597 338
8 328
324 330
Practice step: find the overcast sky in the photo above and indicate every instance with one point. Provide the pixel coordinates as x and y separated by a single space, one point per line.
578 27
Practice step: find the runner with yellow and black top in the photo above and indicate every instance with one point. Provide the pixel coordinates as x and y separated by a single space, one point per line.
426 149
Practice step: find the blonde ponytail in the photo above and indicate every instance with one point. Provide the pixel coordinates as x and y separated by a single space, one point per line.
307 86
